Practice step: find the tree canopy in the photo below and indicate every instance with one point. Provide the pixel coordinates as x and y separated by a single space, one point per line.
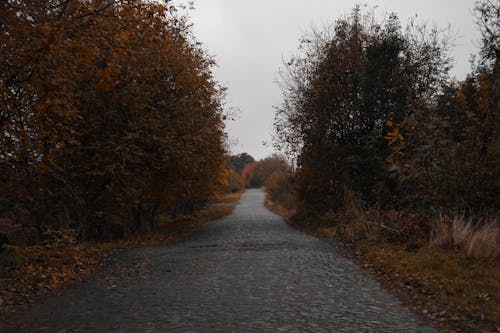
109 112
369 108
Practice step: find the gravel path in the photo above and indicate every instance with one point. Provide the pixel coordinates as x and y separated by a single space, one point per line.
248 272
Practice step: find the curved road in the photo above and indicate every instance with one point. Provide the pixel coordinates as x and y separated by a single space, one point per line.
248 272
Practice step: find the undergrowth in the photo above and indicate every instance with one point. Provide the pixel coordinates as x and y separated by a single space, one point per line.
476 239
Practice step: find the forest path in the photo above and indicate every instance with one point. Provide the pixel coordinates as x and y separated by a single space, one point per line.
247 272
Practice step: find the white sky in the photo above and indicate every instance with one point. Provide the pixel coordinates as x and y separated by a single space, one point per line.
249 39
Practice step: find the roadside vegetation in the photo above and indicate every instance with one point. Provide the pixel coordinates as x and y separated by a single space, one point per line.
399 160
246 172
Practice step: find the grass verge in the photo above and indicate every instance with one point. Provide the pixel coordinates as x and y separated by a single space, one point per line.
29 273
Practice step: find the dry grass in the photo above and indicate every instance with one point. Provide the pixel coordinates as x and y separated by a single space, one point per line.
374 224
228 197
478 239
214 212
278 208
443 285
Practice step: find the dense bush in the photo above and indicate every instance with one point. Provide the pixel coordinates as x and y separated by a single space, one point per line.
278 187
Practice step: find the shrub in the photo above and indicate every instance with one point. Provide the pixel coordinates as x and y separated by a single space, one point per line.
278 187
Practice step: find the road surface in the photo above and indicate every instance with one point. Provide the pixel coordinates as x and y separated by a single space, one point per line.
247 272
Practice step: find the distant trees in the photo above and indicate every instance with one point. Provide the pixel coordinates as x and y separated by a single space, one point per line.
247 174
233 182
267 166
279 188
238 162
109 113
369 109
251 173
256 174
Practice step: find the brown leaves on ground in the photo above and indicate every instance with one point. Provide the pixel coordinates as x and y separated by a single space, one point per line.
444 286
45 269
228 197
37 271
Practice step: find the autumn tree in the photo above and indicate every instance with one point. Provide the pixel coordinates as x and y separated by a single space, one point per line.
233 182
109 114
279 187
247 174
238 162
346 95
256 174
266 167
449 158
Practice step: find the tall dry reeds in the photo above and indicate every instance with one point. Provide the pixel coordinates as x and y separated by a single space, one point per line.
478 238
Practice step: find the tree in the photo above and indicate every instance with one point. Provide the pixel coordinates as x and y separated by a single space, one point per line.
109 114
256 174
233 183
279 188
346 96
266 167
248 174
449 158
238 162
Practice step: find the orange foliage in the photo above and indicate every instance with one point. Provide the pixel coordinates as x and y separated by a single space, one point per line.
233 182
256 174
109 113
248 173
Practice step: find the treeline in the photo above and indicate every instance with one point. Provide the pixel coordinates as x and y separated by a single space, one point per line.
272 172
109 115
372 118
258 173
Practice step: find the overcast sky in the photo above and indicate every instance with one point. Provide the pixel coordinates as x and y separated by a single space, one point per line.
249 40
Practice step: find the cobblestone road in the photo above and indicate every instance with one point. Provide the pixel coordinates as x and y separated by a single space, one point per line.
248 272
